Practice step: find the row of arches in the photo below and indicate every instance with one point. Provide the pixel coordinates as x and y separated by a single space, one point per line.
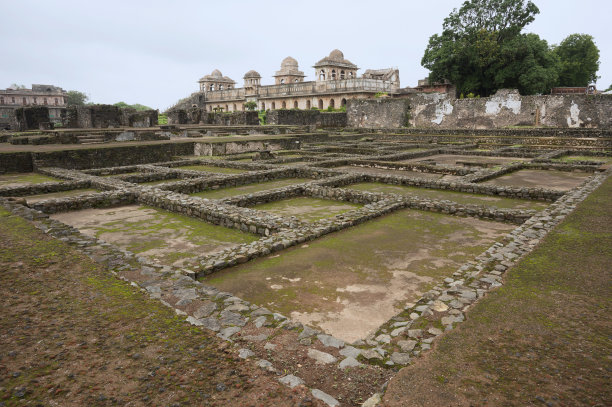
334 76
212 87
320 104
295 104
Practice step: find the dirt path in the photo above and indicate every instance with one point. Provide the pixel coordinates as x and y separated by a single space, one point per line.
73 335
542 339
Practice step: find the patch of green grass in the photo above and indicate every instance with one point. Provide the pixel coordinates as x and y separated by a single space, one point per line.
25 178
572 158
249 188
459 197
307 209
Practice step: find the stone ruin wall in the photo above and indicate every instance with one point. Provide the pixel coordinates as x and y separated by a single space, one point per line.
107 116
504 109
196 115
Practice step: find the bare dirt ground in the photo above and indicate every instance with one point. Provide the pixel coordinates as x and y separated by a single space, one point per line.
542 339
350 282
559 180
73 335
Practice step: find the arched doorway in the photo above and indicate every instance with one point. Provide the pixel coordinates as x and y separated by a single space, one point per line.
273 105
321 104
295 104
308 104
332 104
284 104
343 102
235 107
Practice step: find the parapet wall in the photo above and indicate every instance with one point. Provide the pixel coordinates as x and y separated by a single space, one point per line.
504 109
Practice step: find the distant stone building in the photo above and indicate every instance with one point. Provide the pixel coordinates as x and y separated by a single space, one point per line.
336 82
53 97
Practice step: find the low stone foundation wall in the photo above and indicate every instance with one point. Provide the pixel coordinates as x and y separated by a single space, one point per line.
106 199
44 188
111 156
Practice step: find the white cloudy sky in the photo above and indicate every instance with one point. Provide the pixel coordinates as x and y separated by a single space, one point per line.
153 52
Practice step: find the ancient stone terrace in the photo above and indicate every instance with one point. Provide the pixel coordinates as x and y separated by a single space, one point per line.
350 250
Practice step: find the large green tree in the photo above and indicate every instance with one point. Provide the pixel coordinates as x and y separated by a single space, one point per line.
579 60
76 98
481 49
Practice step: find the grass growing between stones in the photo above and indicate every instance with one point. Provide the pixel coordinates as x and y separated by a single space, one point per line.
210 168
572 158
459 197
350 282
250 188
25 179
73 335
541 339
168 237
307 209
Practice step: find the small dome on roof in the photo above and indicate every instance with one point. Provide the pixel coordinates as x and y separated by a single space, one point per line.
336 58
216 73
252 74
336 55
289 62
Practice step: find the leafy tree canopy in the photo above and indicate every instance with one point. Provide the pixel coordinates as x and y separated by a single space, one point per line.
76 98
481 49
15 86
250 105
579 58
135 106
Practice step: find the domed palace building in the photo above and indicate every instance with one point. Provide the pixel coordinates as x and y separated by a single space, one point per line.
336 82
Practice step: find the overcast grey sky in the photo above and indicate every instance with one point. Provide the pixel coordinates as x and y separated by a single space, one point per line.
153 52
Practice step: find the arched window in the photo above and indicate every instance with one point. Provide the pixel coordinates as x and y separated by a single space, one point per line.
24 101
282 81
45 101
332 104
235 108
273 105
1 100
226 108
343 102
296 81
295 104
342 74
284 104
211 88
220 87
55 101
322 75
350 75
308 104
333 74
263 106
321 104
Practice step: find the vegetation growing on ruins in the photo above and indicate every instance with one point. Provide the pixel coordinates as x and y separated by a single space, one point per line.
481 49
579 57
76 98
136 106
